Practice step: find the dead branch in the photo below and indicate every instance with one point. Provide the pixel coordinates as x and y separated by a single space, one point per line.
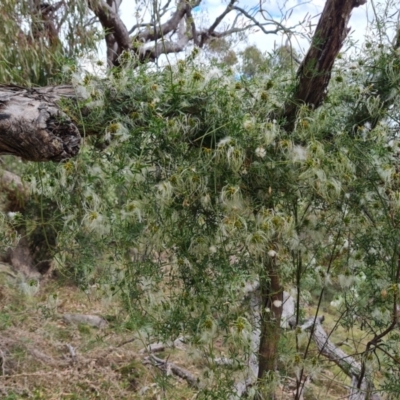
72 352
166 46
15 190
346 363
171 367
158 347
251 373
91 320
7 342
46 359
207 33
33 127
171 25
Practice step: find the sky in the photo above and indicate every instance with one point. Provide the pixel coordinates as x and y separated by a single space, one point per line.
298 10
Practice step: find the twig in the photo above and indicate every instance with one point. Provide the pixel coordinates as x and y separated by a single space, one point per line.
71 351
241 387
159 346
178 371
125 342
3 363
40 373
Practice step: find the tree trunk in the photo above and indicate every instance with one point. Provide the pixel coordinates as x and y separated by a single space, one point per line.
271 312
33 127
15 191
315 70
32 255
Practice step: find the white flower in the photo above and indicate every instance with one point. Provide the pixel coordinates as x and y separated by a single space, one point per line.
277 303
386 173
12 214
272 253
133 208
82 92
205 200
346 281
30 288
212 249
165 190
94 221
260 152
248 124
235 157
337 303
299 153
224 141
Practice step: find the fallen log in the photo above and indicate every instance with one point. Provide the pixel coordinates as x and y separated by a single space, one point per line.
33 127
170 367
346 363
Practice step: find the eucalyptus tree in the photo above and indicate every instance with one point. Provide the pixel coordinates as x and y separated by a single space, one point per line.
39 37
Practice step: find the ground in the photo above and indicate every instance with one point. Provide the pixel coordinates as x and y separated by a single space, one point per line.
43 356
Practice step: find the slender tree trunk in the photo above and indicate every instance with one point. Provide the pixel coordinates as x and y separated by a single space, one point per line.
315 70
271 312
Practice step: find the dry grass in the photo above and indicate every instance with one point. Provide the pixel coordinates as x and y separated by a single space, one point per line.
44 357
36 361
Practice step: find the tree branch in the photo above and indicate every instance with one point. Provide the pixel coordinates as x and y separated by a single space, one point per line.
111 21
261 25
166 46
346 363
206 35
190 19
171 25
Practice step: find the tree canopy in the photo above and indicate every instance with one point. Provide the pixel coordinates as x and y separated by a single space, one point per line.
39 38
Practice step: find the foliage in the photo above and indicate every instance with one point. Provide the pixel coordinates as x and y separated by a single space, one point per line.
187 187
38 39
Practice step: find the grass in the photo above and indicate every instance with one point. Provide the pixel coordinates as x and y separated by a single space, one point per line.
36 362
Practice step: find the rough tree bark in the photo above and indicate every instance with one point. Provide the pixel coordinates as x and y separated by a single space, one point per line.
271 313
14 190
313 78
33 127
315 70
